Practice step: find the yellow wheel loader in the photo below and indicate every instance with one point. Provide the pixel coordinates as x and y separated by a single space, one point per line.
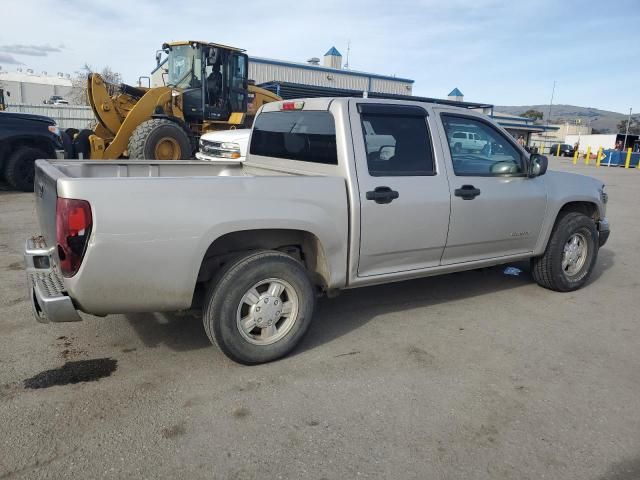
3 106
206 88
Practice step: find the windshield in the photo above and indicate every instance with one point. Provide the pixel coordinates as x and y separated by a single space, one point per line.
184 67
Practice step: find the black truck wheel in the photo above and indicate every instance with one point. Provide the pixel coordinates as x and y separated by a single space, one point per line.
259 307
19 170
159 139
570 256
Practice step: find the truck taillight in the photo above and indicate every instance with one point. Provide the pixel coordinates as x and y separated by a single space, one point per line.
291 106
73 227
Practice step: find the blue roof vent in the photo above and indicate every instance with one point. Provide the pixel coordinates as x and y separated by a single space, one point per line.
455 93
333 52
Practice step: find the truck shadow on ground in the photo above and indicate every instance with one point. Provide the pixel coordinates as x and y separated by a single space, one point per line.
183 331
354 308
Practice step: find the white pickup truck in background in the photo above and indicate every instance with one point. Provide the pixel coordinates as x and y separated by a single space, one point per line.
224 145
333 194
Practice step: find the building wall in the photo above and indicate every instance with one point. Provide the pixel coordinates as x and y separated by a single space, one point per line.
594 141
32 93
263 72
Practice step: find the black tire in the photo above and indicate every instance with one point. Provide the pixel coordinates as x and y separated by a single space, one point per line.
72 132
67 144
81 144
223 305
547 270
148 135
19 171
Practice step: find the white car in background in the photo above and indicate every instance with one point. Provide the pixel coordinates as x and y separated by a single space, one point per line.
469 141
224 145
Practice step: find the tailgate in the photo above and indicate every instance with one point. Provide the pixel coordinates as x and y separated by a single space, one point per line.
45 189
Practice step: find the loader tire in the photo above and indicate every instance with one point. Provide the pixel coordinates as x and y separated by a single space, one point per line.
159 139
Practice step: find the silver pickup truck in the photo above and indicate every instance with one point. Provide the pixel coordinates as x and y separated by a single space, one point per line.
334 194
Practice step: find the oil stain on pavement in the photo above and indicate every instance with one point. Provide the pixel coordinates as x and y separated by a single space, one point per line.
73 372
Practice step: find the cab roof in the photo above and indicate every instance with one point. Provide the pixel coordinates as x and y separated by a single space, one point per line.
200 42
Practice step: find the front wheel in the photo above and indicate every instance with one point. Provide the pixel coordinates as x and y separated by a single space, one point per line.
259 307
159 139
570 256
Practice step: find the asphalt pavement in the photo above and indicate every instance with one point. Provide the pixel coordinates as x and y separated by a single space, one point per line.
475 375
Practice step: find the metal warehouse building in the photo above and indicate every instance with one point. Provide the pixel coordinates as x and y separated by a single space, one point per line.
330 74
29 87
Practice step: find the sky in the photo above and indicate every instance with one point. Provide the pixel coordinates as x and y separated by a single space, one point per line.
499 52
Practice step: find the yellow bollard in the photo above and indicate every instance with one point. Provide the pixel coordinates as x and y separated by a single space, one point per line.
587 156
558 151
628 161
599 157
575 157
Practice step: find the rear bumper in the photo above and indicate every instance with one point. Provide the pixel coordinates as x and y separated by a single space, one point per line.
49 301
603 231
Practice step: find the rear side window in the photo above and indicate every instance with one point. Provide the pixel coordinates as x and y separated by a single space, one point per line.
397 144
308 136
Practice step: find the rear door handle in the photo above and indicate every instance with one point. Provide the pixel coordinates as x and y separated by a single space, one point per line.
382 195
467 192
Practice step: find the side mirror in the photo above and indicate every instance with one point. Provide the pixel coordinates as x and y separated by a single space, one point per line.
537 165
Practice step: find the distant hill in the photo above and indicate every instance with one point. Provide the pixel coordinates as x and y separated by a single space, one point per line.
602 120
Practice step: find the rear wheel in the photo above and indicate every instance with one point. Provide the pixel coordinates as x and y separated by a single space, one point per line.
260 307
570 256
457 148
159 139
19 170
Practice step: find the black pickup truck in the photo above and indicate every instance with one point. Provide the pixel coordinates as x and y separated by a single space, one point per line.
24 138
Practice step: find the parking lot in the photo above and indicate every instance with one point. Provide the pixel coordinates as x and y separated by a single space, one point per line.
476 375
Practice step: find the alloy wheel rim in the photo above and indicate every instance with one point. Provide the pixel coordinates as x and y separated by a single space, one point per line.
267 311
574 254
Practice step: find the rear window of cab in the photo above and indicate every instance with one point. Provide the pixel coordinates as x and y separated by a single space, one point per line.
307 136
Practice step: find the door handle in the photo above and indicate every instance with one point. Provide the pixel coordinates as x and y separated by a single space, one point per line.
382 195
467 192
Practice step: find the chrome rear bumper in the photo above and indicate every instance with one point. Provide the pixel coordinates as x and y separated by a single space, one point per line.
49 301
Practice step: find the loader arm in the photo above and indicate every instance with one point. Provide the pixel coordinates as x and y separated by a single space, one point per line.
102 104
119 115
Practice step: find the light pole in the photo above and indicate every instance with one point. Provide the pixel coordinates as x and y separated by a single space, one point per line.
546 134
624 145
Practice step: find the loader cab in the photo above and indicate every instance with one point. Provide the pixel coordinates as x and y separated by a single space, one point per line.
211 77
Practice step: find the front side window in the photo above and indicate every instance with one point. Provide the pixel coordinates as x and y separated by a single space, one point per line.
184 67
308 136
490 153
397 145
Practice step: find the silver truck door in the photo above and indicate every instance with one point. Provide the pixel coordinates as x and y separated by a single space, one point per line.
404 195
496 209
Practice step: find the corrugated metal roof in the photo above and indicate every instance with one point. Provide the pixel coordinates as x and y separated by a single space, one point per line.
292 90
23 77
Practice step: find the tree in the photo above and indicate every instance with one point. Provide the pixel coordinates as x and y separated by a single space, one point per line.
634 126
79 83
532 114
